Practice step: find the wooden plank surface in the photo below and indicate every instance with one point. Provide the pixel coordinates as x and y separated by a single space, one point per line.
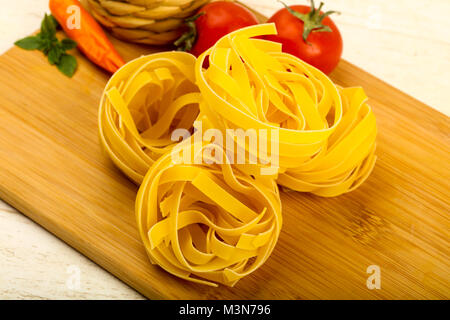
52 169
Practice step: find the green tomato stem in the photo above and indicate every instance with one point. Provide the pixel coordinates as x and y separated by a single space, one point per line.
312 21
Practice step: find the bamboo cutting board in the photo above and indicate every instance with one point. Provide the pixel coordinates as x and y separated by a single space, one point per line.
53 170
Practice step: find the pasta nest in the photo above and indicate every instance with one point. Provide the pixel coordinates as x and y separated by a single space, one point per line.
207 223
326 134
142 104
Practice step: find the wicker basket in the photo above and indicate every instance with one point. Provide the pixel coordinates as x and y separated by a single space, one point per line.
155 22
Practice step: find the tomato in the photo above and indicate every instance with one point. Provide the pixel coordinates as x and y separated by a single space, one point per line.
304 34
212 22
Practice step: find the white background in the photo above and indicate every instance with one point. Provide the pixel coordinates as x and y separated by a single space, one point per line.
404 42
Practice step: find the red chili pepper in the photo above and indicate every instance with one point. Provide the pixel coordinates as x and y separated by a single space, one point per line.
90 37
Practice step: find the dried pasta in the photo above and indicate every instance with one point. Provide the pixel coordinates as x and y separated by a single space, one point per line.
213 221
208 224
326 134
142 104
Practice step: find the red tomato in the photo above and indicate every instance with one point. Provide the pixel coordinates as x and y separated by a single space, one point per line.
319 44
212 22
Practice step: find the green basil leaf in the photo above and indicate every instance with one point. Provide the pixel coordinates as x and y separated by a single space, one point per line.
44 44
29 43
55 50
48 27
67 64
54 21
68 44
54 55
47 45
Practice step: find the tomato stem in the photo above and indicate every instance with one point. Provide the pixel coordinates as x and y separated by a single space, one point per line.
187 39
312 21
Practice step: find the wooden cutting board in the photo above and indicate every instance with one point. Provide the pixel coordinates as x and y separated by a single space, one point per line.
53 170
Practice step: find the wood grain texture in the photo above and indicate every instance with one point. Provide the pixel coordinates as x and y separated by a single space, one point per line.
40 266
53 170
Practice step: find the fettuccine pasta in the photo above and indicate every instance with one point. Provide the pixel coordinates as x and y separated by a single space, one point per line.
215 221
326 134
207 223
143 103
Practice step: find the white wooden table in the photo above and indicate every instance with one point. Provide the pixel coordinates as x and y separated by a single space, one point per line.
404 42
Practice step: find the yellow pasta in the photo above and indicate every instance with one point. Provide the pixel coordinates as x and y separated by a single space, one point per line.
208 224
326 134
214 221
142 104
